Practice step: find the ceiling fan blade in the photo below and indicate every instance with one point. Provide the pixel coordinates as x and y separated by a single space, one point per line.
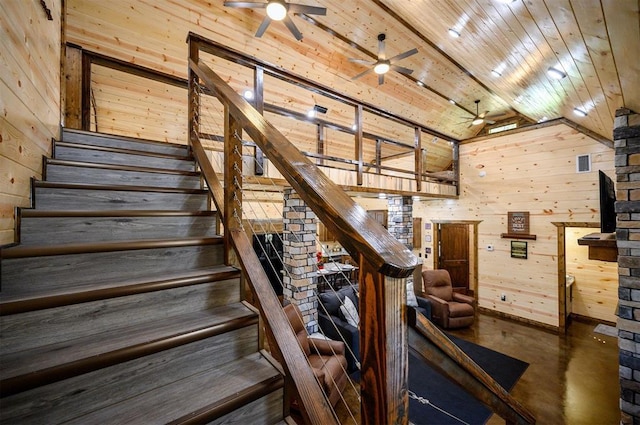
263 26
362 74
362 61
403 55
380 79
490 122
381 53
484 114
309 10
245 4
401 69
292 27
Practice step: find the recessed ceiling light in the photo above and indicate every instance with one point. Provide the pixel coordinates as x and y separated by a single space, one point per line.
453 33
276 10
451 101
579 112
555 73
543 119
420 83
311 113
496 73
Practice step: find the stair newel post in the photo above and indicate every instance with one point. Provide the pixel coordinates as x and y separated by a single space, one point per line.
233 183
193 101
383 347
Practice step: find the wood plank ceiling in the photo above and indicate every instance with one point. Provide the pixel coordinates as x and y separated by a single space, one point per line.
596 43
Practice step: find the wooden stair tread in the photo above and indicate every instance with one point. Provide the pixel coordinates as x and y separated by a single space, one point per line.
86 292
96 135
204 392
70 163
122 150
125 188
27 369
20 251
30 212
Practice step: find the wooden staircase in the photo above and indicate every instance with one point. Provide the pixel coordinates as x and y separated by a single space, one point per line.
115 305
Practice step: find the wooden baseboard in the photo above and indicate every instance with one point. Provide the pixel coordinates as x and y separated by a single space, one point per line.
533 323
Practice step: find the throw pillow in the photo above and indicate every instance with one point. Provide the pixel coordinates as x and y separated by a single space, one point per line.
412 301
350 313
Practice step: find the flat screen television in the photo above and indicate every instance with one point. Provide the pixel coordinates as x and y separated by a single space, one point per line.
607 204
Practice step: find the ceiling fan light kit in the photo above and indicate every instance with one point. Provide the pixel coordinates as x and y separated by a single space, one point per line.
383 65
278 10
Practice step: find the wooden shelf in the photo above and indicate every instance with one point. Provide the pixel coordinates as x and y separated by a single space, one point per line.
517 236
602 246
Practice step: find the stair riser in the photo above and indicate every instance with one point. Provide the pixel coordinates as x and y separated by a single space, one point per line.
266 410
23 276
96 140
62 230
76 321
83 394
116 158
72 174
97 200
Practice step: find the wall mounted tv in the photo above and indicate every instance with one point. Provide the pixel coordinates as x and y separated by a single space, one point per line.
607 204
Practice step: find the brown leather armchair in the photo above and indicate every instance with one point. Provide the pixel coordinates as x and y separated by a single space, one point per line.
449 309
326 357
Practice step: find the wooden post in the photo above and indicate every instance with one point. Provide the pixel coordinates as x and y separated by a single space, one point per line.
73 87
418 158
233 182
383 348
358 146
258 98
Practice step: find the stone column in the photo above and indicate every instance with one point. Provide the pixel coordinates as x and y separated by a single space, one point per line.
401 219
626 135
299 257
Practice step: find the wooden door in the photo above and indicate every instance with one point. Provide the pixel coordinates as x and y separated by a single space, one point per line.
454 253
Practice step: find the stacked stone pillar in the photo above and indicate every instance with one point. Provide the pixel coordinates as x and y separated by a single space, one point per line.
626 137
300 262
400 210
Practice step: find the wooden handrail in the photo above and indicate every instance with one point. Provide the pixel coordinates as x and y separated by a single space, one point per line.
432 346
356 231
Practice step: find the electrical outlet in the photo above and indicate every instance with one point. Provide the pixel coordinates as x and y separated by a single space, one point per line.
503 297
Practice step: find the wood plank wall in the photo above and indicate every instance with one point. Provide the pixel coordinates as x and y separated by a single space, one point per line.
29 99
531 171
595 292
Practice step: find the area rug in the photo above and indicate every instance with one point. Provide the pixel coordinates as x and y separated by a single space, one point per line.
449 397
606 330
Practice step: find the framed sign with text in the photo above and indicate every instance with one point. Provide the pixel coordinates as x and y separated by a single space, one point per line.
518 226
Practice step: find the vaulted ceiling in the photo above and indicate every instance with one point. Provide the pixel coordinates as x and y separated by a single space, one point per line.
596 43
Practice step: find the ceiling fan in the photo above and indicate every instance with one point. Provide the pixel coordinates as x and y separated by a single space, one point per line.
480 118
278 10
383 65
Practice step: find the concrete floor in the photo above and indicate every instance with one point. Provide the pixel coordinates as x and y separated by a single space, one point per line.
571 379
